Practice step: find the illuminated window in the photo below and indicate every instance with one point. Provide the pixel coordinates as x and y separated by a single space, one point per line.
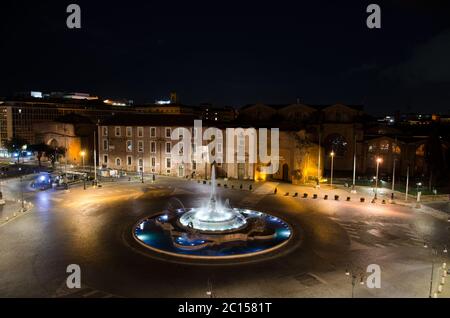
336 143
384 146
129 146
420 151
168 147
105 131
153 147
168 132
118 162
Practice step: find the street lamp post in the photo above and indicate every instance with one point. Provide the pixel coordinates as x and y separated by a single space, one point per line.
393 176
379 160
95 157
407 184
21 191
332 166
83 153
24 148
355 275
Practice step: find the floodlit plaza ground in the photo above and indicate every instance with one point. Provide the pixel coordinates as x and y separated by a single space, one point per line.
93 228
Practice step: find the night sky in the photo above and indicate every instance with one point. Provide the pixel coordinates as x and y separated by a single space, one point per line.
233 52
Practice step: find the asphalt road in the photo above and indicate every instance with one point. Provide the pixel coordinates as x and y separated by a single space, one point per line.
92 228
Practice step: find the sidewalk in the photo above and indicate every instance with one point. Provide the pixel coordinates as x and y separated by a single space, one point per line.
12 209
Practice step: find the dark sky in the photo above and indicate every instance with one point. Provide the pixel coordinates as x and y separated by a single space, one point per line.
233 52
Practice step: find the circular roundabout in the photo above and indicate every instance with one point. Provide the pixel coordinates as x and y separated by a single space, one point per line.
213 231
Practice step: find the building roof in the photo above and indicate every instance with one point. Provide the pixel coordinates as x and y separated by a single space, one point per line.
317 107
149 119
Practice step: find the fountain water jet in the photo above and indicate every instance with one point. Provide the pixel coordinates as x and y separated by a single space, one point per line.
214 217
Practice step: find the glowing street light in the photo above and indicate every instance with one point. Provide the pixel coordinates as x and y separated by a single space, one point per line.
83 154
332 154
379 160
24 148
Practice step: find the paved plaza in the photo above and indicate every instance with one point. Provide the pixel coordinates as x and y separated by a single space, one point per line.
92 228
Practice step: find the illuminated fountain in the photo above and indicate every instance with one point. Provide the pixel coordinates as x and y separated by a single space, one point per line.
215 217
212 231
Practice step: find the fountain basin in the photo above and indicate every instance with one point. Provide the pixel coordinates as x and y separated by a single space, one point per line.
260 233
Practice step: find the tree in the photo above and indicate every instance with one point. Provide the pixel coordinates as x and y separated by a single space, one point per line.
15 145
52 153
40 150
303 146
55 153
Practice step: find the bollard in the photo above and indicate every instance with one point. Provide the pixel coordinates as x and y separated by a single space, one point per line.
315 196
225 186
362 200
204 182
348 199
435 295
305 195
250 187
286 194
218 185
373 201
383 202
275 191
444 265
232 186
240 187
295 194
440 287
336 198
443 280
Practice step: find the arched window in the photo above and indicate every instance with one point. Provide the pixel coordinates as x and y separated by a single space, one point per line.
118 162
53 143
